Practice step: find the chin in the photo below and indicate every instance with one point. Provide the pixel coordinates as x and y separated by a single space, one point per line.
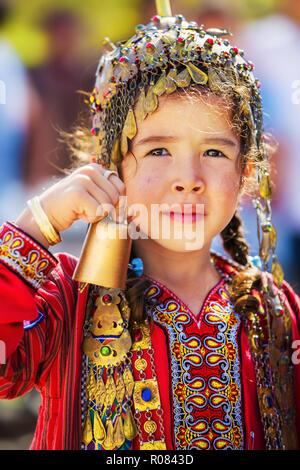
179 238
183 245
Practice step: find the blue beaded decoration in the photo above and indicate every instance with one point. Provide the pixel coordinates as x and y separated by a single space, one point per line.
136 265
146 394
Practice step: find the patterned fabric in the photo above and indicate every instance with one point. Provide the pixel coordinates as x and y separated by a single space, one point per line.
39 328
25 256
205 369
48 356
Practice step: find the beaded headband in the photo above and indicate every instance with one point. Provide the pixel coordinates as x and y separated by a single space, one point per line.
166 55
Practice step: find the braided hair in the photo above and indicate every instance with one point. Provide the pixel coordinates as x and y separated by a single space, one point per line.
234 242
249 278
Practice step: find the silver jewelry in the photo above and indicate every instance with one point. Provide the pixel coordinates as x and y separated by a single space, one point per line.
107 173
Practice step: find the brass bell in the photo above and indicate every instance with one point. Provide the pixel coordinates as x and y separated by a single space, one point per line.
105 255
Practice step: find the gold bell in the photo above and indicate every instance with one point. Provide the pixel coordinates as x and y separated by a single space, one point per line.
105 255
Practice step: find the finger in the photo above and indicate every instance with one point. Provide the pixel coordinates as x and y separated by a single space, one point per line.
118 183
113 185
85 180
106 205
89 210
100 194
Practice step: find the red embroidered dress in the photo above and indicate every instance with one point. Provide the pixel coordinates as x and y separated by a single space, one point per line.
203 365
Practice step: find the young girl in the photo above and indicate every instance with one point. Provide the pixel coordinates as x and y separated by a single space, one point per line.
196 352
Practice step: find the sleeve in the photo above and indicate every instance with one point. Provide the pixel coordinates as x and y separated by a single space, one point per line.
36 291
292 303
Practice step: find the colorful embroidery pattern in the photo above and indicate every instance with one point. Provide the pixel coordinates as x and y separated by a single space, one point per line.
27 258
205 370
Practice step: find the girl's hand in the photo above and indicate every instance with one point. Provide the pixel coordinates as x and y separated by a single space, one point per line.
81 195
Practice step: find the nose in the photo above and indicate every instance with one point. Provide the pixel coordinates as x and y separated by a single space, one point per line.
188 185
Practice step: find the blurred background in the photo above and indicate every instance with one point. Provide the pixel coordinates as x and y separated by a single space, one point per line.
49 50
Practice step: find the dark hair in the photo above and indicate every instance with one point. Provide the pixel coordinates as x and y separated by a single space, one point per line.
234 242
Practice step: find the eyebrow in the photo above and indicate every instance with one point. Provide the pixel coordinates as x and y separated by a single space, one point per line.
169 138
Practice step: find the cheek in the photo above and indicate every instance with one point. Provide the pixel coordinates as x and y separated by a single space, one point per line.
142 187
151 180
144 182
227 188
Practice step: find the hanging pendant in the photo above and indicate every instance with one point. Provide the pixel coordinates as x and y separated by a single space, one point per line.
197 75
151 101
99 429
265 246
140 106
130 429
161 85
91 384
116 156
124 144
107 342
120 389
215 83
87 434
277 273
118 432
129 128
128 381
183 79
100 392
265 187
108 442
171 81
273 237
110 391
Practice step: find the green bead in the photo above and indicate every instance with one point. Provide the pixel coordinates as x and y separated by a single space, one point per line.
105 351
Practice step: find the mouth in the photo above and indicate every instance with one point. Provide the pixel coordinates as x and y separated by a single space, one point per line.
184 218
186 215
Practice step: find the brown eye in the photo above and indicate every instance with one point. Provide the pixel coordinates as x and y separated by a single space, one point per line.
99 324
115 324
214 153
159 152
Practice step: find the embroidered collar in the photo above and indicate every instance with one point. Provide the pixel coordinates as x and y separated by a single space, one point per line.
225 268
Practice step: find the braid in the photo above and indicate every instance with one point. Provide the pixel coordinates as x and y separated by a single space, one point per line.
249 277
234 242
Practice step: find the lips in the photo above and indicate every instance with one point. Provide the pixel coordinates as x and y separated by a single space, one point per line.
185 218
190 213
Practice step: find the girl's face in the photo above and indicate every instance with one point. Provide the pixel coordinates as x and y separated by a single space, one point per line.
186 152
